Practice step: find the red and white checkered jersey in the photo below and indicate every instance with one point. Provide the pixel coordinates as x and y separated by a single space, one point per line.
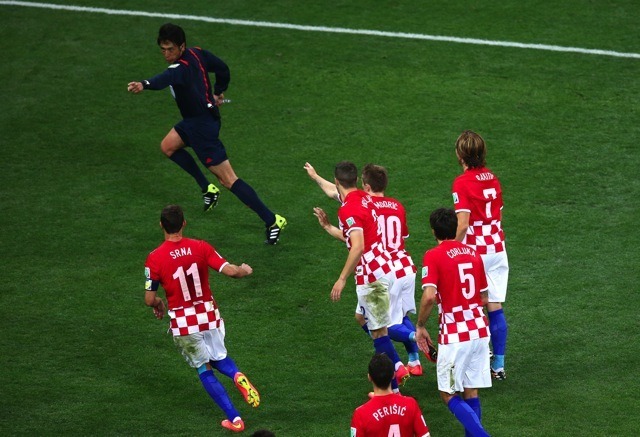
389 415
478 192
392 220
358 212
182 268
202 316
457 273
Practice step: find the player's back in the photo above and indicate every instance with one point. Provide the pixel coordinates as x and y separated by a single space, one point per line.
392 220
478 192
458 274
183 269
389 415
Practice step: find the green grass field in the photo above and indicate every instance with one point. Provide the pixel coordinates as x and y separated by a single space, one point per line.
83 182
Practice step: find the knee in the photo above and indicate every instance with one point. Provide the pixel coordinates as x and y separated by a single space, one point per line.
360 319
169 147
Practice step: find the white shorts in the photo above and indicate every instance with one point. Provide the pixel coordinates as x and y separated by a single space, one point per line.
496 267
402 299
201 347
374 302
463 365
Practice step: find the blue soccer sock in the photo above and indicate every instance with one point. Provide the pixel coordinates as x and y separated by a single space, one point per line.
188 164
400 333
249 197
225 366
499 329
411 346
218 394
467 417
474 403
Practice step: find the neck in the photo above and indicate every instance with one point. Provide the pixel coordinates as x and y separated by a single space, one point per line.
173 237
377 391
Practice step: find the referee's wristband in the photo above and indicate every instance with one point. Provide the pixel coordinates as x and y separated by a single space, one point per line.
145 84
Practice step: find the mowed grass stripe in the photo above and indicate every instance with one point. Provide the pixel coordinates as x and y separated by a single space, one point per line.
418 36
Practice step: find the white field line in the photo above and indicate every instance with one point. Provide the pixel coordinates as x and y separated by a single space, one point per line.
419 36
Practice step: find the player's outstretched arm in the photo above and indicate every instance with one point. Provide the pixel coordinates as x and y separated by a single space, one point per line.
329 188
234 271
323 219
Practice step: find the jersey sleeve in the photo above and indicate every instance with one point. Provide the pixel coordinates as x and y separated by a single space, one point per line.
420 427
219 69
214 259
403 222
461 202
173 75
429 270
350 220
152 276
356 424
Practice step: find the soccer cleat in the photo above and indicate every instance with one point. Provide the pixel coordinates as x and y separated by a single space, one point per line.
415 370
211 197
433 353
247 389
499 374
402 374
235 426
273 231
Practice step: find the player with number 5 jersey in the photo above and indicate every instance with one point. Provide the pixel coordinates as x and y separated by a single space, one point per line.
181 265
477 198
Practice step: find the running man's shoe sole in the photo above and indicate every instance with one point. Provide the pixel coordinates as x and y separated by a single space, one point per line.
237 426
210 197
249 392
273 231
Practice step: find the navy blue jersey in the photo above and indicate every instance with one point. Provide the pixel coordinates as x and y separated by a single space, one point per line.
189 81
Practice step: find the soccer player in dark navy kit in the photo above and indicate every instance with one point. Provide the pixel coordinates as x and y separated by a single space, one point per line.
198 101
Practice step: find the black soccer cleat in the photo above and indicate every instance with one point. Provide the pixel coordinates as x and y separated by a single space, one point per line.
211 197
499 374
273 231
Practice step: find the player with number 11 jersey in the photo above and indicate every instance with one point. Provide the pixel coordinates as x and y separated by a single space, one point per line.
182 268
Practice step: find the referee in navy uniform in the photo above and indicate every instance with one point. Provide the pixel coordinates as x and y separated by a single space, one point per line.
199 102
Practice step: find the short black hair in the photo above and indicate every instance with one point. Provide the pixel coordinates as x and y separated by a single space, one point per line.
173 33
172 218
381 370
444 223
347 174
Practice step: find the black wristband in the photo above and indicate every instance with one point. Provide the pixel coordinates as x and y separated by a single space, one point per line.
145 84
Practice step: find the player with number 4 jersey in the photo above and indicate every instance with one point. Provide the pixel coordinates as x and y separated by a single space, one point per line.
181 265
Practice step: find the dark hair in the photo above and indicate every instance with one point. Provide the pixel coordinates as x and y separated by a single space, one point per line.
173 33
376 177
444 223
172 218
471 149
347 174
381 370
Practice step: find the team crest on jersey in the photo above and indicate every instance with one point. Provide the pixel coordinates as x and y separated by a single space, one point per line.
351 221
425 272
147 272
455 198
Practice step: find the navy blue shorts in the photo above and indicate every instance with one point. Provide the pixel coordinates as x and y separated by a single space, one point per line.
201 134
